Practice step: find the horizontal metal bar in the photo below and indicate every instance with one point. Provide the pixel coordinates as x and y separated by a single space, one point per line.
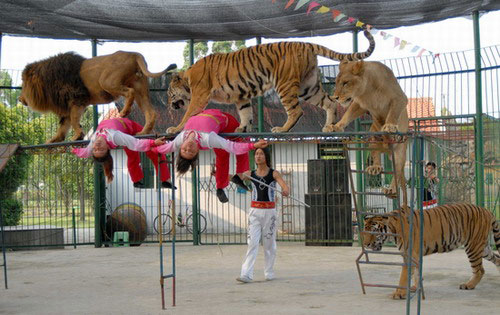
368 193
171 275
413 76
366 148
383 285
364 172
381 263
383 252
379 214
319 135
369 122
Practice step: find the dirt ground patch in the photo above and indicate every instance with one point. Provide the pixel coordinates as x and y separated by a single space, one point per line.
309 280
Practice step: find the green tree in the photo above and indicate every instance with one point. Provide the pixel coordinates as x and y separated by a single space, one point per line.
227 46
201 49
8 95
59 178
14 128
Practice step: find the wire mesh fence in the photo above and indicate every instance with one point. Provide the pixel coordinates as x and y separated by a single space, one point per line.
56 190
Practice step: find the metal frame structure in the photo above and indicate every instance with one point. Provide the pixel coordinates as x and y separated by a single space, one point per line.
361 212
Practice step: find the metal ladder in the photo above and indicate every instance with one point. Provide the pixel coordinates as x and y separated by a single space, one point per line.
361 212
287 205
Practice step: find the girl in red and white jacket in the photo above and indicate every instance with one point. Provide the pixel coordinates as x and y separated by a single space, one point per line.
115 132
201 133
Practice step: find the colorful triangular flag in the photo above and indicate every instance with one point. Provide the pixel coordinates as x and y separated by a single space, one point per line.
323 9
300 4
403 44
312 5
290 2
421 52
396 41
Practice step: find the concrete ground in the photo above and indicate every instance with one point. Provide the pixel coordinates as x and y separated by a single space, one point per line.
310 280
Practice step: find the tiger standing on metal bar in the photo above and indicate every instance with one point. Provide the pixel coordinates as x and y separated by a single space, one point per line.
291 68
446 228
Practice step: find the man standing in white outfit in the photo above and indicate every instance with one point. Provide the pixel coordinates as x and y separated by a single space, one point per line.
262 216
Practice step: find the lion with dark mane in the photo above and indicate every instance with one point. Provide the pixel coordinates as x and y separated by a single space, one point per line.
67 83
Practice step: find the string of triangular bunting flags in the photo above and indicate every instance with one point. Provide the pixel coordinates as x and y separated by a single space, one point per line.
337 16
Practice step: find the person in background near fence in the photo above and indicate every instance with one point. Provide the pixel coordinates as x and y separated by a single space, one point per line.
430 185
262 216
201 133
115 132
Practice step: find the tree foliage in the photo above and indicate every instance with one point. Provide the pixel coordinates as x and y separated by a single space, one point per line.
14 129
49 177
201 49
8 95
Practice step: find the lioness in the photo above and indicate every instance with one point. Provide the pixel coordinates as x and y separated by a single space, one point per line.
67 83
372 87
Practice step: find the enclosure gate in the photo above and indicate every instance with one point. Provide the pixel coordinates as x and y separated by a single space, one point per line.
361 212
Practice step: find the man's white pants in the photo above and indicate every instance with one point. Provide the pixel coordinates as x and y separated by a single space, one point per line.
261 222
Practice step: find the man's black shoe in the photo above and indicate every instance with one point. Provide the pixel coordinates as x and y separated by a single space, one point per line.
139 184
238 181
166 184
222 195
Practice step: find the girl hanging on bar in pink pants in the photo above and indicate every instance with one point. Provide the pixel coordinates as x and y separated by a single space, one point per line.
115 132
201 133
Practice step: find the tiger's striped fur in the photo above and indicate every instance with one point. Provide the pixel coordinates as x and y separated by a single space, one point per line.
445 228
291 68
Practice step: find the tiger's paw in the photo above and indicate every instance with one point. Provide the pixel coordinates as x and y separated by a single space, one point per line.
173 130
374 169
399 294
466 286
278 129
332 128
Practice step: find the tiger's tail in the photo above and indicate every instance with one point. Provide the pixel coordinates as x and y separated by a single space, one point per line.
327 53
488 253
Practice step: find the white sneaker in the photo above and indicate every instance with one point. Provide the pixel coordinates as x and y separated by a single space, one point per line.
269 278
244 279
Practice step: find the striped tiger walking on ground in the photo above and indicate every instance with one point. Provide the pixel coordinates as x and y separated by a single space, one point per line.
445 228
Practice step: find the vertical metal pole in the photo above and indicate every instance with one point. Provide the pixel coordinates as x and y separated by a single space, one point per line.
172 171
479 114
98 178
160 231
359 153
194 175
260 103
439 173
1 215
421 225
1 35
3 251
73 220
